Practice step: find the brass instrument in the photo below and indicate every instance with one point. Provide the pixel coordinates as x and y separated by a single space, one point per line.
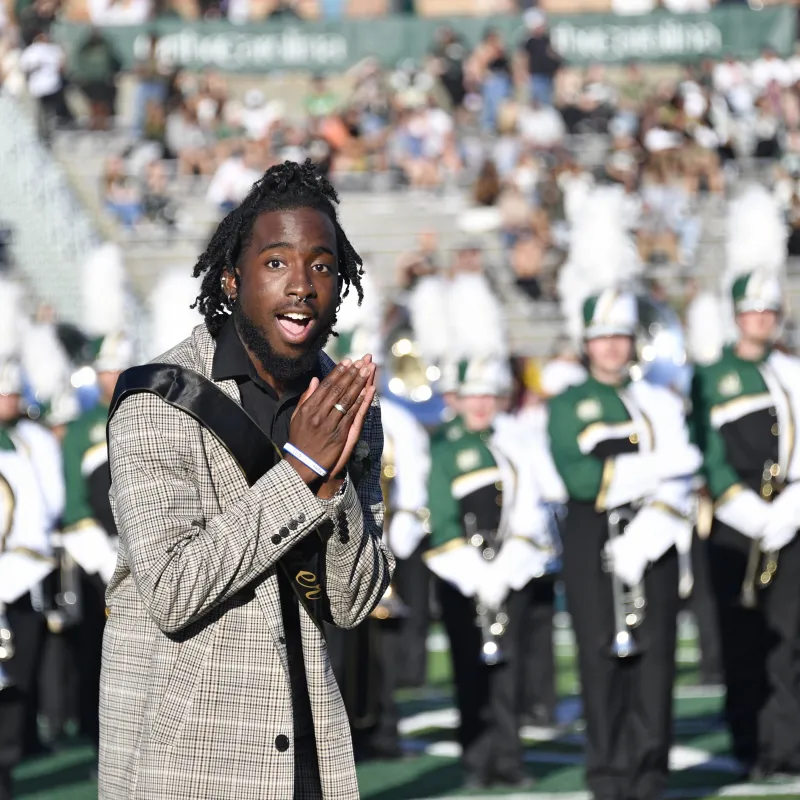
761 567
629 601
6 648
493 623
68 610
390 605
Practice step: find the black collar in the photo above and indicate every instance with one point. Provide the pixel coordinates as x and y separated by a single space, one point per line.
231 361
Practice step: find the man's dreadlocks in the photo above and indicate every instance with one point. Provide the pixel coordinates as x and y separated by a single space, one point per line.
283 187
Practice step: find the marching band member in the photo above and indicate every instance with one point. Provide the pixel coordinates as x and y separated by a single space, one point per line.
619 445
89 534
31 501
744 410
489 540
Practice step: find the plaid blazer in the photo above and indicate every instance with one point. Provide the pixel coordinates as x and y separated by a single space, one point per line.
195 701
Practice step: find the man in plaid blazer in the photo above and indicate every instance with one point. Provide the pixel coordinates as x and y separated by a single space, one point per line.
216 683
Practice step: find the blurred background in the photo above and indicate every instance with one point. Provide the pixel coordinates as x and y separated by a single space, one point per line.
464 137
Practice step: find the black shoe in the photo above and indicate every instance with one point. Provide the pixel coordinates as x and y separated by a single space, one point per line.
515 779
473 782
5 785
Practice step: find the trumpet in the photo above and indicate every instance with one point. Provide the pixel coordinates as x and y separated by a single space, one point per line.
493 623
68 610
630 602
761 567
6 648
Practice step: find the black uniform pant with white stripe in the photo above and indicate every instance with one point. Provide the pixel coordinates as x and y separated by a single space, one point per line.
412 581
537 684
627 703
28 628
760 653
487 696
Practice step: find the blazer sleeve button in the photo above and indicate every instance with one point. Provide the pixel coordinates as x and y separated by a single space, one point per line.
284 531
276 539
281 743
301 517
293 525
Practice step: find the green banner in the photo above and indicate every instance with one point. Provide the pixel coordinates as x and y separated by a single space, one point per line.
336 45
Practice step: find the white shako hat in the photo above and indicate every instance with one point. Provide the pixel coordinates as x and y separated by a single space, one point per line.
484 376
755 252
610 313
114 354
10 377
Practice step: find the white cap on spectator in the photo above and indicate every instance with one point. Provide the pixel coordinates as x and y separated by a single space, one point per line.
535 18
253 98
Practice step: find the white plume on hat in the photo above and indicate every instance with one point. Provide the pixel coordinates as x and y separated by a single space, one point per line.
705 328
559 374
756 238
427 307
172 320
476 317
44 361
363 321
104 290
12 297
756 235
602 255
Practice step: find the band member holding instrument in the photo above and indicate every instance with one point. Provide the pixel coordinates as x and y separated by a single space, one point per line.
745 407
489 540
245 472
89 534
621 448
31 501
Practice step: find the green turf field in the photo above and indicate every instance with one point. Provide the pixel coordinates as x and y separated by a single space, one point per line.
701 765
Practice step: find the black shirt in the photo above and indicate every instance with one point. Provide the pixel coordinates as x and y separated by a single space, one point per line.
273 415
541 59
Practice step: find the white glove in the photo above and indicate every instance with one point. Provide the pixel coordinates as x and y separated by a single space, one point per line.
519 560
648 536
627 559
678 462
777 537
405 533
463 567
492 588
745 512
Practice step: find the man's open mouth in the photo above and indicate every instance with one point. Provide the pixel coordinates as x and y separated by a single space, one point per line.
295 326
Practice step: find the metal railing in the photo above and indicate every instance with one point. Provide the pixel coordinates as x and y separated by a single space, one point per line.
52 234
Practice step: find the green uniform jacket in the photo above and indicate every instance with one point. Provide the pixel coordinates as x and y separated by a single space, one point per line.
86 471
588 424
734 423
464 478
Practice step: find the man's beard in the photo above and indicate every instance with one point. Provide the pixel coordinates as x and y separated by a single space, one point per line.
282 368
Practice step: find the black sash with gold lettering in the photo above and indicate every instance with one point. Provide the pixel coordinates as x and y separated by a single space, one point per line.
253 450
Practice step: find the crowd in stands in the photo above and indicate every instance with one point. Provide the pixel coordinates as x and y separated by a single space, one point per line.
501 119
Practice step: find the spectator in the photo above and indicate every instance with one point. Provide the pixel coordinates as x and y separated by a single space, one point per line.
154 79
157 206
541 126
95 67
487 186
320 100
449 55
43 64
527 259
187 141
258 116
119 12
541 61
235 176
490 68
770 69
121 197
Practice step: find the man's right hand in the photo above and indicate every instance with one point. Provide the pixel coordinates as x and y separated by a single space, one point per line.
318 428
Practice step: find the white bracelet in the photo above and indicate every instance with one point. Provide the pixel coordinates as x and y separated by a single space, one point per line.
309 462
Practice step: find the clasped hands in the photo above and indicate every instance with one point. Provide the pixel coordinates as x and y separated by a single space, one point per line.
328 420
